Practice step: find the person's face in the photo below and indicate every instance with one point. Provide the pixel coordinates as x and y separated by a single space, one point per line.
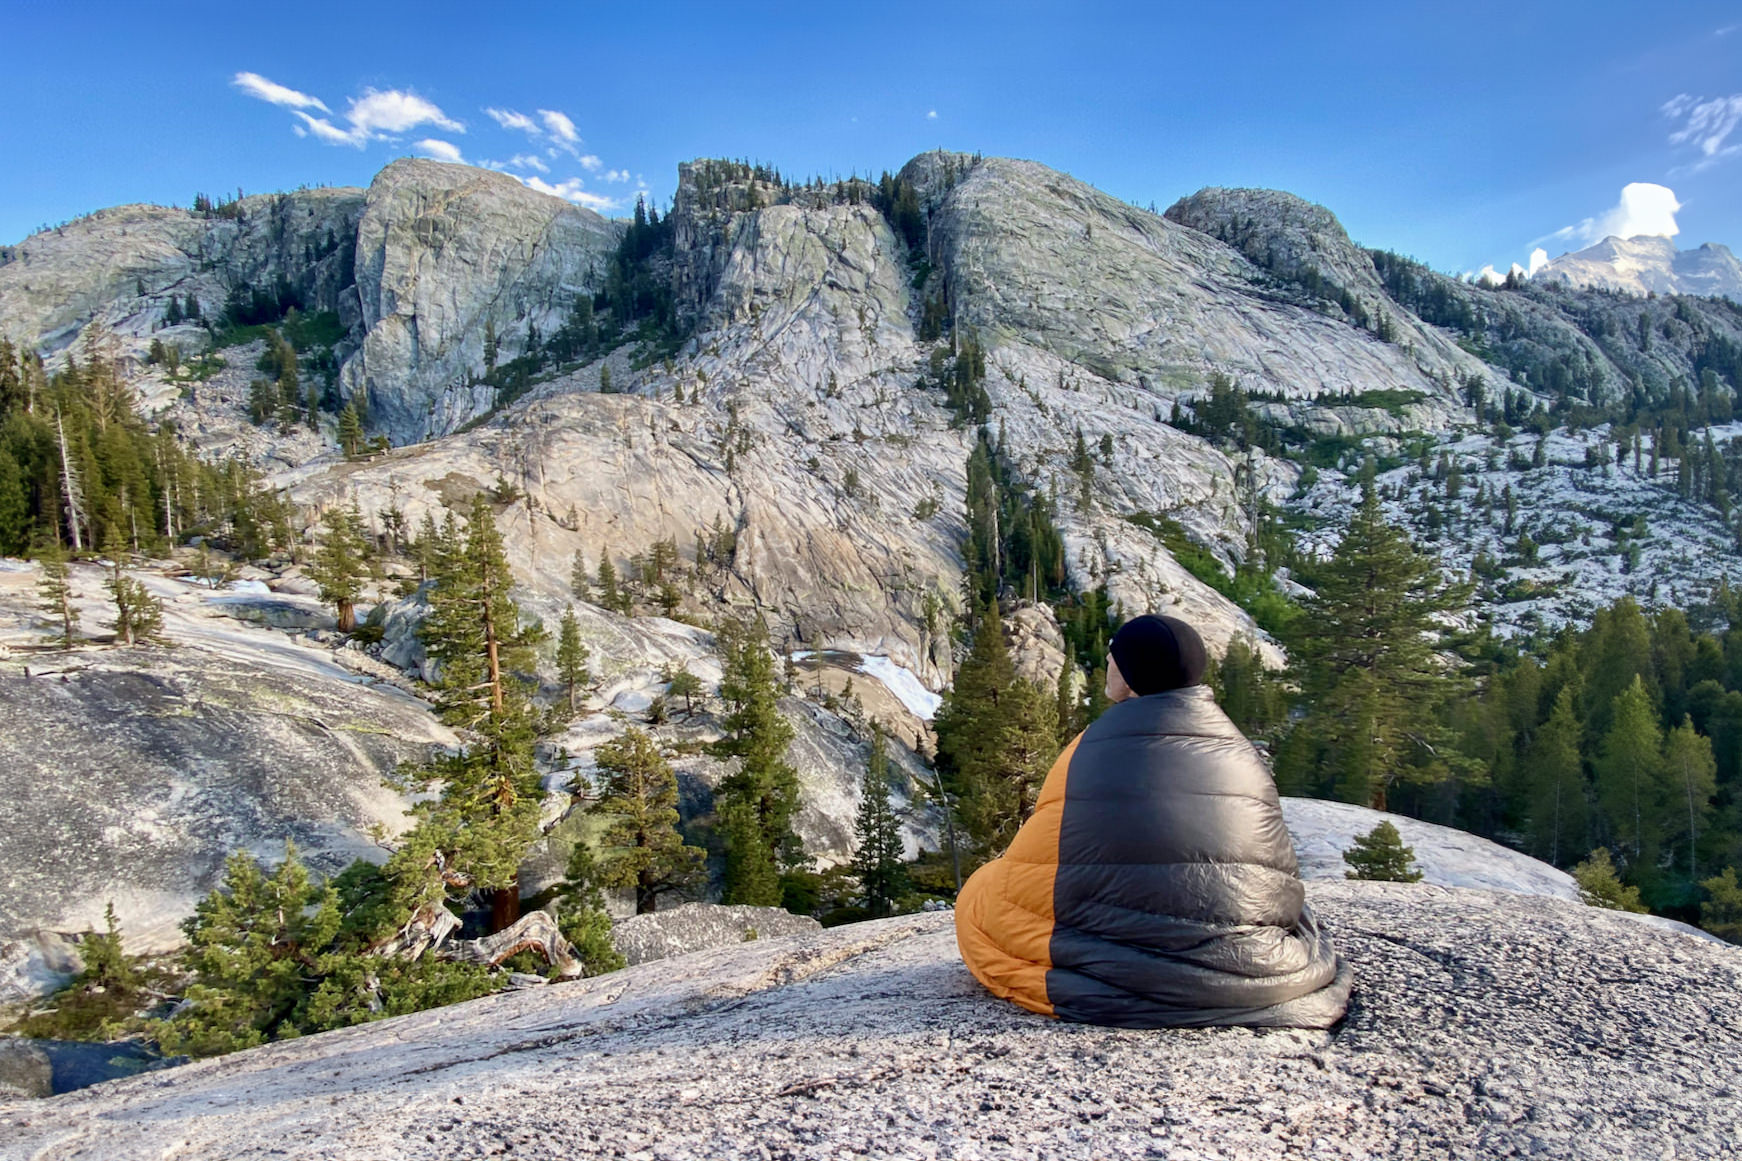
1117 690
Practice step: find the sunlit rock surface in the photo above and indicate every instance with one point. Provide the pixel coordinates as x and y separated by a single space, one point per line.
1482 1025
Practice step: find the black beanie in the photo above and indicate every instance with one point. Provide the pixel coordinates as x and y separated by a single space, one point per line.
1157 653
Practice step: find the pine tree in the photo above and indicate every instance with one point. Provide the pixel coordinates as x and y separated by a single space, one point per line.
1721 913
997 735
1245 690
1599 886
643 848
1630 772
476 831
138 614
341 564
1370 681
1690 777
250 944
1558 811
1615 651
351 436
1068 711
757 801
583 921
680 682
55 589
571 658
1380 854
609 595
877 860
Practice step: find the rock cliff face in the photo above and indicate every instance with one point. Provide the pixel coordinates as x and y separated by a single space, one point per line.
1482 1025
443 252
1647 265
121 266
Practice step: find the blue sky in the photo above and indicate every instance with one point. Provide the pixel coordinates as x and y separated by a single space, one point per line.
1463 134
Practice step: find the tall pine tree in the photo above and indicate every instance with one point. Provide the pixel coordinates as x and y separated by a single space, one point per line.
341 563
757 801
643 849
1370 680
571 658
474 833
1630 774
877 859
1558 812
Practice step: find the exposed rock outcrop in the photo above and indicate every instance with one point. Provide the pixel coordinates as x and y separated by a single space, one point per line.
94 268
444 252
1482 1025
695 927
133 773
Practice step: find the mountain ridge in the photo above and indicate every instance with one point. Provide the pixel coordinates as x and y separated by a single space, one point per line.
1649 264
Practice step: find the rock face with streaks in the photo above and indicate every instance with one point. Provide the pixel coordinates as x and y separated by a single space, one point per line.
132 773
1482 1025
443 253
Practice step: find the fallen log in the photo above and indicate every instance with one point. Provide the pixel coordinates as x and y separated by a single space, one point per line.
535 931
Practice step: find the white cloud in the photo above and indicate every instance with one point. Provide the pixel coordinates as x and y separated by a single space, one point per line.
1706 125
259 87
509 119
382 115
395 111
327 131
1644 209
560 128
1492 277
374 116
570 190
932 115
440 150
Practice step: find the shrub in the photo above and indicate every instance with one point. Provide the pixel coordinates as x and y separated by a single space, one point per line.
1380 855
1600 886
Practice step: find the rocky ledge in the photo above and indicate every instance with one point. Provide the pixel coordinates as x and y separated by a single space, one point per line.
1483 1025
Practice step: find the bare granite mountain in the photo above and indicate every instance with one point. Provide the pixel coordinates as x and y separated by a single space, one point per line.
790 432
1649 265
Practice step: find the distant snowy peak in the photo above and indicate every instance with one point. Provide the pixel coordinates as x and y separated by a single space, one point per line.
1650 263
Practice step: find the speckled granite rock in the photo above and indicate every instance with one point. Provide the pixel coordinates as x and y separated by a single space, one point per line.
1483 1025
698 926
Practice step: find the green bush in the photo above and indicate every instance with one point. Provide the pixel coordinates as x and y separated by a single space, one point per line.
1600 886
1381 856
1722 913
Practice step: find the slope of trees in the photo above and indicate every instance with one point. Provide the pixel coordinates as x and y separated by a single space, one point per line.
78 467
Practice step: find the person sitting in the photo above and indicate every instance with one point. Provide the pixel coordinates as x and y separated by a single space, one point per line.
1155 884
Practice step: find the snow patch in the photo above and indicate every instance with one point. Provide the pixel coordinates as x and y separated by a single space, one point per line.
921 702
904 684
